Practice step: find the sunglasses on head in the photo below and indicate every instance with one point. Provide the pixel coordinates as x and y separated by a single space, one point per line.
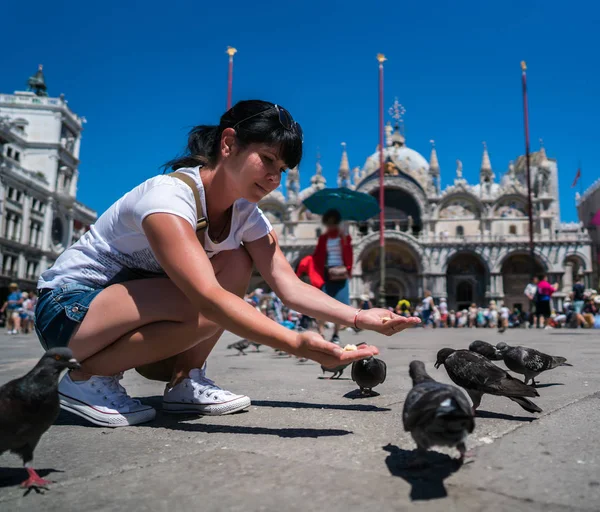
285 118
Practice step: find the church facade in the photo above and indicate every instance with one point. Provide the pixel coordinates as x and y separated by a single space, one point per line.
468 242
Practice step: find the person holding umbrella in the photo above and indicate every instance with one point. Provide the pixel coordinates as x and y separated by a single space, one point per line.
333 262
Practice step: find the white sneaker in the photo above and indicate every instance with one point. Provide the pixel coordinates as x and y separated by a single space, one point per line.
200 395
103 401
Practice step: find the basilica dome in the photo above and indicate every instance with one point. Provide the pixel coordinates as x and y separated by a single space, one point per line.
406 160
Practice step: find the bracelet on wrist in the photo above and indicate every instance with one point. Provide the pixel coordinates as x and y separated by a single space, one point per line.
356 318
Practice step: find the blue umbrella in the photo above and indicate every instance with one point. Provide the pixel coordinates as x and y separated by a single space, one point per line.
352 205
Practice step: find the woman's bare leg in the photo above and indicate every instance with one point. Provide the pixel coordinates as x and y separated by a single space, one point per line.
147 320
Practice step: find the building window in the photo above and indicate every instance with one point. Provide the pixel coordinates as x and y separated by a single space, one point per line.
32 270
460 231
10 264
17 156
512 229
35 234
57 231
9 152
12 226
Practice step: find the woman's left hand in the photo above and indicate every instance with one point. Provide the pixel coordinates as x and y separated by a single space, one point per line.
384 321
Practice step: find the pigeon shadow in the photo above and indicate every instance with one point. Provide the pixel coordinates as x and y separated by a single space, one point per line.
304 405
337 378
14 476
500 416
235 355
549 384
356 394
426 483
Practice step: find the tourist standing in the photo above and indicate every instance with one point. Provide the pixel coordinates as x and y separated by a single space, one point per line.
333 262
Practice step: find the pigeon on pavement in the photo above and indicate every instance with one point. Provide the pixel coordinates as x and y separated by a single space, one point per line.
29 406
478 376
368 373
486 349
336 370
436 414
240 346
528 361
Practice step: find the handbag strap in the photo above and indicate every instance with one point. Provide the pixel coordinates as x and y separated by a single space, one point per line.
202 221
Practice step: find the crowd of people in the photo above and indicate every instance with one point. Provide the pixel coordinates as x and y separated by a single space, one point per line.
581 309
17 312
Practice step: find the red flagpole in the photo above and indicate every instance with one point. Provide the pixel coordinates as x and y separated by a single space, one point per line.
231 52
528 163
382 299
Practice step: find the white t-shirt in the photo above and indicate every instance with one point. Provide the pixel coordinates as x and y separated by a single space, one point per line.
115 249
334 252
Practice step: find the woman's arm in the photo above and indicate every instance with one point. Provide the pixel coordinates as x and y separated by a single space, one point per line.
278 273
174 243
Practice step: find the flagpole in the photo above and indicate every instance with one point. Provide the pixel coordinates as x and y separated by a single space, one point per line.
382 299
231 52
528 163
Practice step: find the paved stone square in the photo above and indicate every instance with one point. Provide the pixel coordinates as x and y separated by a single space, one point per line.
306 445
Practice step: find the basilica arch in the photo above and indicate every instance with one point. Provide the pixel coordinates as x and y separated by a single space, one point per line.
403 269
467 280
396 187
516 274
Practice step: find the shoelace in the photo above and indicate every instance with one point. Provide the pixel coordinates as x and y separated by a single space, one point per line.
208 387
115 392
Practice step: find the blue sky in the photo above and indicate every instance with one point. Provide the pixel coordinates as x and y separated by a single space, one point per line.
143 73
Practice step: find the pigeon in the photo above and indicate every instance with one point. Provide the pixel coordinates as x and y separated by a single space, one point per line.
256 345
436 414
478 376
240 346
486 350
368 373
529 361
29 406
338 369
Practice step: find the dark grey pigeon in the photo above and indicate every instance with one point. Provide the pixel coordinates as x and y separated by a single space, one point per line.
337 370
478 376
486 350
240 346
368 373
528 361
436 414
29 406
256 345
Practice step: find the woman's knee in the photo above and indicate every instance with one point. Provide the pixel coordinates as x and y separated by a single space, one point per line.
233 270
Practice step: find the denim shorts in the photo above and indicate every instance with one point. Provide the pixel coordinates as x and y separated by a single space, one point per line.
59 311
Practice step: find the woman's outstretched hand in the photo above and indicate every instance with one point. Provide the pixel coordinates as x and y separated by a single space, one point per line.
384 321
313 346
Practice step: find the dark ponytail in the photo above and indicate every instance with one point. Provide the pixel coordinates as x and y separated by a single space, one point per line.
258 123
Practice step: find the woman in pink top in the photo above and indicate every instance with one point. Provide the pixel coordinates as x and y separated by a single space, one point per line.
543 299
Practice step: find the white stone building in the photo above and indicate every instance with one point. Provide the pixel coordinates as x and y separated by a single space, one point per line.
468 242
40 139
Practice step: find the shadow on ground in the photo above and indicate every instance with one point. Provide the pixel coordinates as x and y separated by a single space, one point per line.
181 422
501 416
305 405
426 483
